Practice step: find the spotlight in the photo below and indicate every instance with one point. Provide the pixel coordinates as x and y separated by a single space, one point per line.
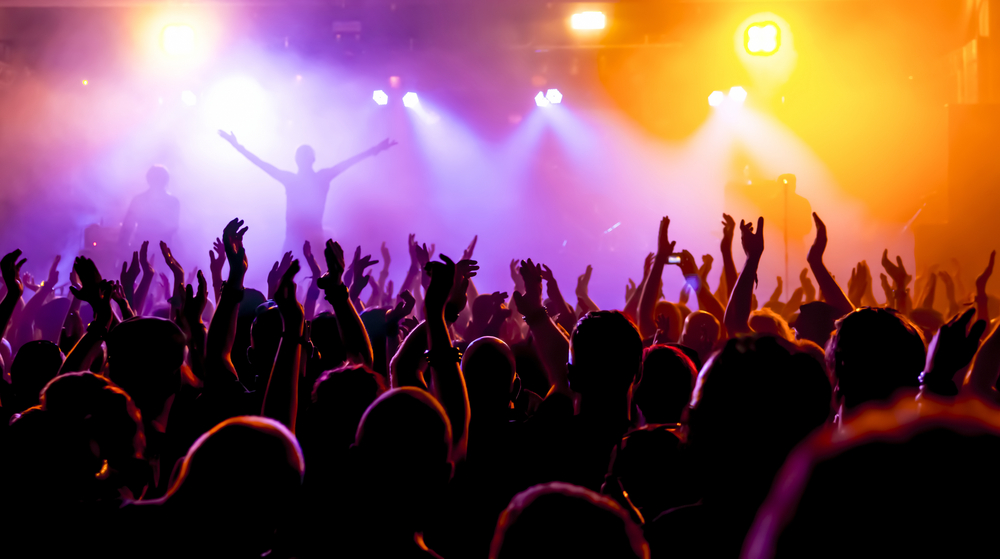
189 98
84 82
588 20
381 98
716 98
541 101
410 100
738 94
762 39
178 40
553 96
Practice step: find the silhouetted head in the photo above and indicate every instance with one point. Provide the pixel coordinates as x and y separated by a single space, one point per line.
305 157
664 390
488 366
36 363
649 466
562 520
51 316
815 322
873 353
701 333
930 456
157 177
673 315
144 359
766 321
339 400
605 355
242 476
325 335
265 335
754 381
402 452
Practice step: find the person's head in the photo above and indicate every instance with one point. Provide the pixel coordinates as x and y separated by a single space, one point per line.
752 382
701 333
339 400
880 485
305 157
242 476
605 355
873 353
144 358
766 321
650 468
265 336
488 366
562 520
36 363
815 322
664 389
157 177
325 335
672 314
402 454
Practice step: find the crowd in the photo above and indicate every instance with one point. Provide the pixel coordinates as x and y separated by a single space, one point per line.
152 416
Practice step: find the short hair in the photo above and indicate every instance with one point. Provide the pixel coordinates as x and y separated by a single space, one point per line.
405 424
766 321
873 353
157 176
562 520
608 341
664 389
36 363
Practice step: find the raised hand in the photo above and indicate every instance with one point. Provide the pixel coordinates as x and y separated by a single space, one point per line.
401 310
706 266
985 276
896 271
583 283
129 274
808 289
630 290
229 137
442 275
858 284
647 265
422 254
385 255
950 350
10 269
728 229
314 268
277 272
216 258
284 295
236 254
411 245
144 262
29 281
383 145
358 267
664 247
887 289
776 295
465 270
91 288
195 301
819 244
753 243
515 274
467 255
334 255
531 300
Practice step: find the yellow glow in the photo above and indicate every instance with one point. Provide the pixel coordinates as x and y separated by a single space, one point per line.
716 98
771 71
84 82
762 38
588 20
178 40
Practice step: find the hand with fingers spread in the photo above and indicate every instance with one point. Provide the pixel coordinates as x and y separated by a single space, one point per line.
467 255
515 274
129 275
335 266
236 254
630 290
177 296
583 283
664 247
465 270
728 231
776 294
277 272
358 267
950 351
400 311
195 300
10 269
858 284
314 268
530 302
29 281
896 271
217 258
443 275
753 242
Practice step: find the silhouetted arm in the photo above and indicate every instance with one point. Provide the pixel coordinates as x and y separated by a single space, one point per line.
97 293
282 397
982 301
832 292
728 266
277 174
552 345
651 291
222 331
405 366
740 302
356 342
330 173
10 268
706 300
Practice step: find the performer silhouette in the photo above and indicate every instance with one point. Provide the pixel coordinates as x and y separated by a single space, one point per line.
306 189
153 215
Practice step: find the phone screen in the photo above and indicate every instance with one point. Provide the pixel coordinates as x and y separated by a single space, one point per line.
674 259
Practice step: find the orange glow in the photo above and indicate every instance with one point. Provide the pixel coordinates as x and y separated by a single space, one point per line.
588 21
762 39
771 71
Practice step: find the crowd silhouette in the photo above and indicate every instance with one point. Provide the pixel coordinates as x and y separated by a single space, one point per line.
149 415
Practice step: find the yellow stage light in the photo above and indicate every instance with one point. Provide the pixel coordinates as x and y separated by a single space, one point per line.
178 40
588 20
762 39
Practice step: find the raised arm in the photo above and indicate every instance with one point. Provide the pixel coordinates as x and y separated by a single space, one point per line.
331 172
352 331
827 285
740 302
726 246
900 281
694 278
222 331
447 379
281 399
651 291
552 345
148 273
275 173
982 301
566 317
97 293
10 268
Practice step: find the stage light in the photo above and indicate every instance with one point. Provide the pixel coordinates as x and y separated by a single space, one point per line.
588 20
178 40
762 39
553 96
410 100
189 98
716 98
541 101
380 97
84 82
738 94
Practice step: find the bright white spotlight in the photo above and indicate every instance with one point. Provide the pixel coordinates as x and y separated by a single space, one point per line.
554 96
588 20
762 39
738 94
380 97
541 101
189 98
410 100
178 40
716 98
